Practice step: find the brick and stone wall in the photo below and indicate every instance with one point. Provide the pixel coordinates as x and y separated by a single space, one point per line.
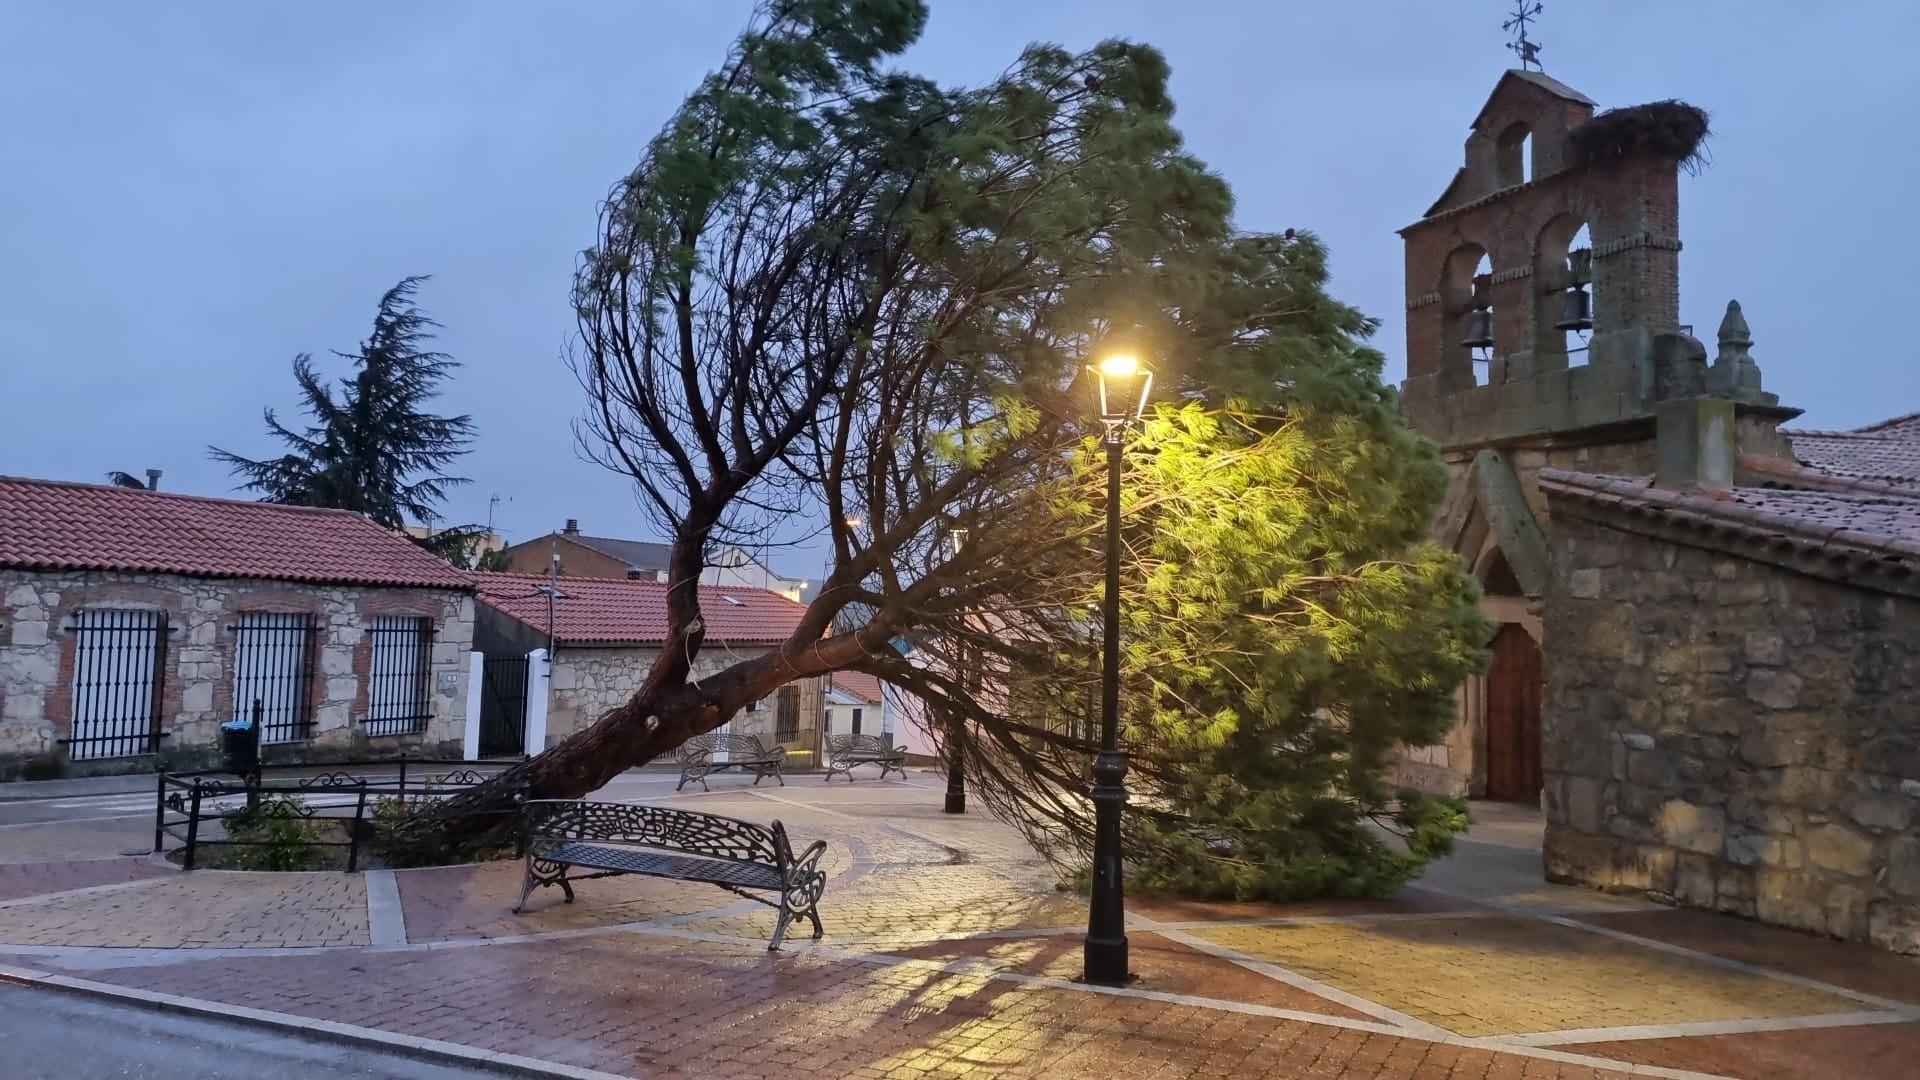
587 682
1731 734
38 651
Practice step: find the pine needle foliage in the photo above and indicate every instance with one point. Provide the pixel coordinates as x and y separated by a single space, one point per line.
371 446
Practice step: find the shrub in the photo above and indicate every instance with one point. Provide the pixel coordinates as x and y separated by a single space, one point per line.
275 834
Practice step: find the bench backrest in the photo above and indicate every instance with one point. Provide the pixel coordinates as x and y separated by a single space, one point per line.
841 745
748 746
715 837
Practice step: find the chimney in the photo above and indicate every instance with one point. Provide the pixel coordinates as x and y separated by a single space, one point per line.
573 527
153 479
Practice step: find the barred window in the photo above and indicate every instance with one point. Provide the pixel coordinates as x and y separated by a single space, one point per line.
119 669
397 702
273 666
786 704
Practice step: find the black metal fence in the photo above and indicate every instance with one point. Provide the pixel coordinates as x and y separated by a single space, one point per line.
119 675
398 679
191 808
273 668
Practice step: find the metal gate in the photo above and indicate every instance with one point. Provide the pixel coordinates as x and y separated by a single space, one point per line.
273 665
119 666
503 706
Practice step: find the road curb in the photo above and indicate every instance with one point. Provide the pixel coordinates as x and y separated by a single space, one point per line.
435 1051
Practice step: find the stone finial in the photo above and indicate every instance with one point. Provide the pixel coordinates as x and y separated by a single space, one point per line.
1735 338
1735 374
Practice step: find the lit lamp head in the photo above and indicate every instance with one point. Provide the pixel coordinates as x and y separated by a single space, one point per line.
956 541
1124 385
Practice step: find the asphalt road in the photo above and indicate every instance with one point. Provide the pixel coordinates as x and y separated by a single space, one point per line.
46 1035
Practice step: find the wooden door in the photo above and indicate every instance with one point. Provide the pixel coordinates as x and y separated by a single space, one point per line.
1513 717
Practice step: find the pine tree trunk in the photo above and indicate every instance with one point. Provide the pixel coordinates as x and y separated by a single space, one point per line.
628 736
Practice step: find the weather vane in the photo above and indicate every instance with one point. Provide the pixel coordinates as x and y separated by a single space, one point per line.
1524 47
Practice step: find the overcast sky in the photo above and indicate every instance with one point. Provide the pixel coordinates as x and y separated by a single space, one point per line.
193 192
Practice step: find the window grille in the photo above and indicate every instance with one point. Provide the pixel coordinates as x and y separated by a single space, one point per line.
119 669
273 665
397 702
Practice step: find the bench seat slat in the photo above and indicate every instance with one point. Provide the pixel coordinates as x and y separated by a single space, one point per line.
657 864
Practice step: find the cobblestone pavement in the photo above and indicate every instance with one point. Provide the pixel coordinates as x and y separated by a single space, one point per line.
949 952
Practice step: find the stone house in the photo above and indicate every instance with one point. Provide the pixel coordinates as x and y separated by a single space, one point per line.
574 554
603 634
134 622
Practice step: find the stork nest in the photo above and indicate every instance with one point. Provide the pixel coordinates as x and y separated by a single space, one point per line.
1669 129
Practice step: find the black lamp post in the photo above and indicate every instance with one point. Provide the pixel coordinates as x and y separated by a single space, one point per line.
956 762
1124 384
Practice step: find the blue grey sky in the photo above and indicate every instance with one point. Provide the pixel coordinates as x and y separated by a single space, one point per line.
193 192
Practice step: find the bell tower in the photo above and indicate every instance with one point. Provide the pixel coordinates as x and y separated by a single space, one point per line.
1544 330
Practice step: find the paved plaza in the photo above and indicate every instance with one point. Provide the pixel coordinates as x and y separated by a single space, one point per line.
949 952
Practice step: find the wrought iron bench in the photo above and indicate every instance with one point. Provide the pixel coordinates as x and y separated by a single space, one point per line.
618 838
743 752
846 751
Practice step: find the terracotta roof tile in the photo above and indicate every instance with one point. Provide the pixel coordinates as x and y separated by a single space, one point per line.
615 611
1887 452
53 525
1887 523
858 683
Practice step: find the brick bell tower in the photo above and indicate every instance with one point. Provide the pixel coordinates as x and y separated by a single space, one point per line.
1528 347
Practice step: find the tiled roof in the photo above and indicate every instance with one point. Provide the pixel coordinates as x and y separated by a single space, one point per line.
1887 452
858 683
612 611
53 525
1878 525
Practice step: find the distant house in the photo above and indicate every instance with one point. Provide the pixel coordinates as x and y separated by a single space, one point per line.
133 622
584 556
605 634
856 705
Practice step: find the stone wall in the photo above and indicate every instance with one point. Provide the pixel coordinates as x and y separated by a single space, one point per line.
587 682
1729 734
38 652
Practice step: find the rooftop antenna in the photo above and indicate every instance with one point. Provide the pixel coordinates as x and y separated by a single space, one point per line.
1528 50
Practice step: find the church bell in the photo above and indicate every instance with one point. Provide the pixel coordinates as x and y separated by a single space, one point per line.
1479 329
1576 310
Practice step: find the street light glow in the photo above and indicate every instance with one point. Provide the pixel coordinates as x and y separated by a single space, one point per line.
1122 366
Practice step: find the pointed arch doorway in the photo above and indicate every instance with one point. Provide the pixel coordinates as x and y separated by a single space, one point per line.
1513 717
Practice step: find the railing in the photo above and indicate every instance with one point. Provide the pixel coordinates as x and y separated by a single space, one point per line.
185 803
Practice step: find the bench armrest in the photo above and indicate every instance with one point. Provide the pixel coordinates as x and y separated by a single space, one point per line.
803 867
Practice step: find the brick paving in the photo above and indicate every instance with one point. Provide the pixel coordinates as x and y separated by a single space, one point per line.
949 953
204 909
1886 1052
632 1004
1504 975
1884 974
19 880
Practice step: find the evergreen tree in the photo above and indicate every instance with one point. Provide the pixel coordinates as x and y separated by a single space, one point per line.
371 448
837 289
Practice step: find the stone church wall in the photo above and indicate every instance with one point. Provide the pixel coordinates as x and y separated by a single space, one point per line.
1727 734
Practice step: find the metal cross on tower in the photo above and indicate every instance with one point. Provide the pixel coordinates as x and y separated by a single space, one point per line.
1524 47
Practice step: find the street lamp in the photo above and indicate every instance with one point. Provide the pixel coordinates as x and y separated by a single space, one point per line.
1124 384
956 767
